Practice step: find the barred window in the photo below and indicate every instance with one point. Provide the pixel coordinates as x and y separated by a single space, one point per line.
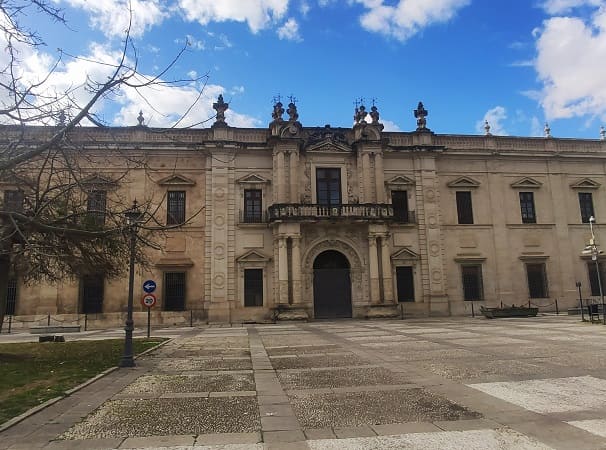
174 291
92 292
586 206
253 212
594 283
95 207
527 207
253 287
175 210
472 282
464 207
11 297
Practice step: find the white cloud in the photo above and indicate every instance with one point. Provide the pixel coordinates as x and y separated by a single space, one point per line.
289 30
495 117
408 17
112 16
554 7
570 65
536 128
304 8
389 125
256 13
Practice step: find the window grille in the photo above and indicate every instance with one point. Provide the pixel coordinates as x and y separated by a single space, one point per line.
472 282
92 292
11 297
399 201
253 287
537 280
174 291
175 211
253 212
586 206
527 207
96 206
464 207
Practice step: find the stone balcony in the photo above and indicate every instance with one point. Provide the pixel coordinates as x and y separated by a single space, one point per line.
372 212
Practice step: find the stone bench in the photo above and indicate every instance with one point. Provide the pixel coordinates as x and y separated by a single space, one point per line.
55 329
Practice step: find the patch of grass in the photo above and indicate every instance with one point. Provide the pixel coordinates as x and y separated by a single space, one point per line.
32 373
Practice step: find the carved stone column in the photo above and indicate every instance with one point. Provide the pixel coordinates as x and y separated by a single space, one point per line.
280 177
294 177
379 178
296 269
367 188
388 296
373 261
282 271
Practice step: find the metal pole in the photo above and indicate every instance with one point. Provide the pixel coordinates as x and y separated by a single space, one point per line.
48 320
597 267
578 284
10 323
473 314
148 320
127 358
557 309
191 317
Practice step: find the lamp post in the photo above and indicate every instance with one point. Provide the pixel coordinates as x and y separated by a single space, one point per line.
593 248
133 217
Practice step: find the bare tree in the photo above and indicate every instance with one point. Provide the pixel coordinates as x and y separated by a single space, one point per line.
59 217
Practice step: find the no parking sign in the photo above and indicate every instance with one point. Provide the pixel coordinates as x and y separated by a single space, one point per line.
148 300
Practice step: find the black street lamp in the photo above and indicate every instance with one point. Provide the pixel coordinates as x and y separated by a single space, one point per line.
592 249
133 218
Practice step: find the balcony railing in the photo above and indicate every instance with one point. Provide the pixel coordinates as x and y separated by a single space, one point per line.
257 217
314 212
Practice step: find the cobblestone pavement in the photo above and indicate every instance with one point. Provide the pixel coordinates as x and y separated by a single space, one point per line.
456 383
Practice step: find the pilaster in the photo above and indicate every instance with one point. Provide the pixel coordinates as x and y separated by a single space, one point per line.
373 263
388 296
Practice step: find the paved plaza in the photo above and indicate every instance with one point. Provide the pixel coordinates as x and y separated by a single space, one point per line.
455 383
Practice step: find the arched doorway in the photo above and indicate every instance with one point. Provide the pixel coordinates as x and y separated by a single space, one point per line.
332 286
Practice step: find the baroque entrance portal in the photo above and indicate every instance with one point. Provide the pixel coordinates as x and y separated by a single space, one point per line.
332 286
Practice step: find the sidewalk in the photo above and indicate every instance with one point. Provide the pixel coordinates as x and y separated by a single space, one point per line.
456 383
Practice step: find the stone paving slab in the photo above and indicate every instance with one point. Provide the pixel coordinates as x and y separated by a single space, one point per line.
196 364
379 407
162 384
448 440
309 379
594 426
485 368
300 362
138 418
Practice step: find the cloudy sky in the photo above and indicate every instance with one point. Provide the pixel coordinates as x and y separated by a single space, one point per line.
515 63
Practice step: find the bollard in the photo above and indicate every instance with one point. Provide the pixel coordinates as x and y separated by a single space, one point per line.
85 321
191 317
557 309
48 320
501 304
529 303
582 312
473 314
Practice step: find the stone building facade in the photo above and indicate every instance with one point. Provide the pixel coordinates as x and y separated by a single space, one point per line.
294 222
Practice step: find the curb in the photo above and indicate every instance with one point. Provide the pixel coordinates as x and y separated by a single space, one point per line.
30 412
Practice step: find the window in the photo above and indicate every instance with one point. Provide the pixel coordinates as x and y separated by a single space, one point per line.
175 211
253 287
328 183
593 277
11 297
91 293
95 207
472 282
405 282
174 291
13 201
399 201
253 212
537 280
586 205
464 209
527 207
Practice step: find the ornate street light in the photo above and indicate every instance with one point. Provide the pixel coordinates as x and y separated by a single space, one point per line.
133 218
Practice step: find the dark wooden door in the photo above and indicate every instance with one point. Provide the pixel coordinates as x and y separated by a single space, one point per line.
332 286
406 286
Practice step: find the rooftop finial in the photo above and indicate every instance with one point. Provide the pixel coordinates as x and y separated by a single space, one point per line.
293 115
278 110
141 119
420 114
374 114
602 133
220 106
360 112
547 130
487 128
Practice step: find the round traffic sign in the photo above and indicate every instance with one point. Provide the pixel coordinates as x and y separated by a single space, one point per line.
148 300
149 286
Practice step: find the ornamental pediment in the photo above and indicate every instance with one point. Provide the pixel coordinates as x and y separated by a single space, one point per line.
328 146
99 182
464 182
400 180
176 180
405 254
585 183
252 178
527 182
253 256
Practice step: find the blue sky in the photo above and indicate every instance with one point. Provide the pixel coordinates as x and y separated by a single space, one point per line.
515 63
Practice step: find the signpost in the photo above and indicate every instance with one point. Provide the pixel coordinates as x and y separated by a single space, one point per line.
148 300
149 286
